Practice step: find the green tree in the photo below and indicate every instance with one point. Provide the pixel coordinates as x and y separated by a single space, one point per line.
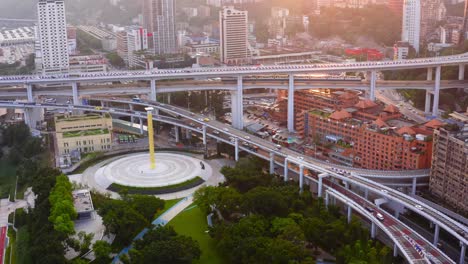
146 205
102 251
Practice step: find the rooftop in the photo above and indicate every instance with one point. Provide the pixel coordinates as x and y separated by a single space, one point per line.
69 118
84 133
82 201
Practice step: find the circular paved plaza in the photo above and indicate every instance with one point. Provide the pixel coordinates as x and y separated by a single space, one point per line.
134 170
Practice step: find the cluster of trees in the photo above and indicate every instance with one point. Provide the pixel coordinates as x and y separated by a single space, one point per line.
62 211
261 219
16 68
163 245
115 60
128 216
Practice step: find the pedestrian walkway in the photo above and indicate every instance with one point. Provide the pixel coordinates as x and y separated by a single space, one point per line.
162 220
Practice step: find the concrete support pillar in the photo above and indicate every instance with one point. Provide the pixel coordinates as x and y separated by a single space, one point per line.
76 98
301 178
204 135
395 250
366 193
236 149
429 74
141 126
436 235
373 230
237 105
168 98
272 163
286 169
326 199
27 117
373 84
435 106
413 186
461 72
427 103
320 183
132 119
397 214
346 185
350 212
153 90
176 132
29 91
188 134
291 103
462 253
103 104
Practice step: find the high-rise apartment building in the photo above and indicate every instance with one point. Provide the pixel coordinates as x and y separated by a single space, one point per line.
129 41
159 21
52 36
465 22
234 46
449 178
411 30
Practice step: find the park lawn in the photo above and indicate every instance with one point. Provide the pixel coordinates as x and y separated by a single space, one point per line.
167 204
192 222
7 179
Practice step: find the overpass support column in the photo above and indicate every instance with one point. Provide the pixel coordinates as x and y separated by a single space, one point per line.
286 169
132 119
427 103
301 178
436 235
326 199
291 103
237 105
373 229
366 193
413 186
429 74
153 90
236 149
350 212
435 106
373 84
320 183
168 98
76 98
461 72
141 126
462 253
395 250
272 163
29 91
176 132
204 135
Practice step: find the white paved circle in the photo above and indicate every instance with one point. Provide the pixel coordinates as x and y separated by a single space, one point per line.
134 170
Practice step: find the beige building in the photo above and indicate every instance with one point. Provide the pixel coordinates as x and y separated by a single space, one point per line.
449 171
234 45
83 133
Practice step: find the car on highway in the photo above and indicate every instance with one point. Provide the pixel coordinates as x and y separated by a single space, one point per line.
226 129
247 137
216 132
384 191
206 119
200 119
419 207
369 209
379 216
98 108
192 124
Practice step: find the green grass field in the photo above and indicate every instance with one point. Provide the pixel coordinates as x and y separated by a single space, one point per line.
7 179
192 222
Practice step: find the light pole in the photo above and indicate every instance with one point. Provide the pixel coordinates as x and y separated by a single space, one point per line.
149 112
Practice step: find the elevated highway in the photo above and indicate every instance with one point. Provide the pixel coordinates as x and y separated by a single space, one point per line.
291 159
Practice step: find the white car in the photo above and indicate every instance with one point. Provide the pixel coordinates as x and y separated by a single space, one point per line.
247 137
216 132
419 207
379 216
226 129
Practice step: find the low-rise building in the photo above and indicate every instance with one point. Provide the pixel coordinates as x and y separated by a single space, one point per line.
83 204
83 133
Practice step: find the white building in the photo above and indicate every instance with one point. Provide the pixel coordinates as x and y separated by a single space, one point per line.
234 46
159 20
137 40
18 36
411 23
52 33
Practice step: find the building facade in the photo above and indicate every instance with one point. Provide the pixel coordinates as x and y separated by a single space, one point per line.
159 21
411 30
52 33
83 133
234 45
432 12
449 178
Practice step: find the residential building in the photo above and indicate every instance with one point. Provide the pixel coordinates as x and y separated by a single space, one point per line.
432 12
52 36
122 45
22 35
83 133
234 46
71 40
367 135
411 31
401 50
89 63
130 40
107 39
159 21
449 179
